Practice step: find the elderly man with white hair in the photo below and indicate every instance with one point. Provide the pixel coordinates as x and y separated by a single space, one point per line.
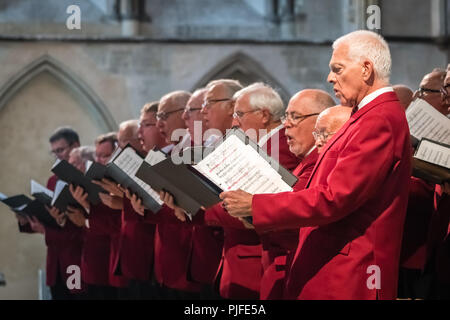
352 211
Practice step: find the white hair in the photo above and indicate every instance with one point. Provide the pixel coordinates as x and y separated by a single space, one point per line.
364 44
261 96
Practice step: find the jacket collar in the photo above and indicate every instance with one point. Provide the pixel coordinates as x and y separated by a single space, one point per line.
385 97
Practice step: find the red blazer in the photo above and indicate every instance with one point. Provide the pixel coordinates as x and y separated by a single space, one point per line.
104 221
279 246
95 260
440 236
64 246
173 243
134 259
352 211
418 216
242 269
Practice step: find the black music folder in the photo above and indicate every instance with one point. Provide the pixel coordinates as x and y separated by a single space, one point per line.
431 161
122 169
190 188
68 173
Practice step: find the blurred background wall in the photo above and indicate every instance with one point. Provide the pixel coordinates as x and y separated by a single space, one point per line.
128 52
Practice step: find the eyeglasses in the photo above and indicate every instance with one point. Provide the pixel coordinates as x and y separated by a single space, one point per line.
146 124
162 116
444 90
208 104
187 112
240 114
421 91
295 119
58 151
322 135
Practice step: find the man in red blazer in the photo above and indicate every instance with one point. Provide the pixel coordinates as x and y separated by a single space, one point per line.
64 245
258 111
352 212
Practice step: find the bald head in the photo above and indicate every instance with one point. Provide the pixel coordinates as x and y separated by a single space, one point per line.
433 81
329 122
128 134
404 94
311 101
302 112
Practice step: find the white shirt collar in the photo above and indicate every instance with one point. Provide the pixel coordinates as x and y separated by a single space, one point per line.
167 148
310 150
373 96
263 140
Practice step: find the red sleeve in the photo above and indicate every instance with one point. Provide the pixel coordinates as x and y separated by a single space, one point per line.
363 164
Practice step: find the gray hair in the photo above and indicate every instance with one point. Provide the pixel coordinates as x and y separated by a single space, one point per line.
85 153
231 86
261 96
364 44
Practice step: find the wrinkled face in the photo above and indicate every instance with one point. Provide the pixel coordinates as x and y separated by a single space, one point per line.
217 109
445 91
103 152
192 117
61 149
169 119
322 132
247 118
299 134
149 134
125 137
77 161
430 91
346 77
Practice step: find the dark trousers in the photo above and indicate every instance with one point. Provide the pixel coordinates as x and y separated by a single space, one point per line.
142 290
95 292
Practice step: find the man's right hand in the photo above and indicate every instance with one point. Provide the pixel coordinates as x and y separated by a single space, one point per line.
109 186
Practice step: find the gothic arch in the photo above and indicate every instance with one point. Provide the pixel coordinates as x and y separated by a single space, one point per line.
244 68
46 63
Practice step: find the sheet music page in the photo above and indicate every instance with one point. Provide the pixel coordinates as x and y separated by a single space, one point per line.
434 153
426 122
114 154
58 188
154 157
234 165
129 162
38 188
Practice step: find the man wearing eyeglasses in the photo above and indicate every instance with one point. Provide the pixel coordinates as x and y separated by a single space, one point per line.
63 244
445 90
218 105
328 123
352 211
430 90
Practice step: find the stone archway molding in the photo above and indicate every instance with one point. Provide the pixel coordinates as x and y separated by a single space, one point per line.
87 96
241 62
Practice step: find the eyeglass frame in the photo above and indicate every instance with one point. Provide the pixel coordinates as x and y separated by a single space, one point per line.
421 90
188 111
59 150
243 113
296 122
163 116
208 104
321 135
444 90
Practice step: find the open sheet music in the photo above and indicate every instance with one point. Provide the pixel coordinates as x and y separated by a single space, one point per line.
235 165
426 122
432 161
128 161
41 193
